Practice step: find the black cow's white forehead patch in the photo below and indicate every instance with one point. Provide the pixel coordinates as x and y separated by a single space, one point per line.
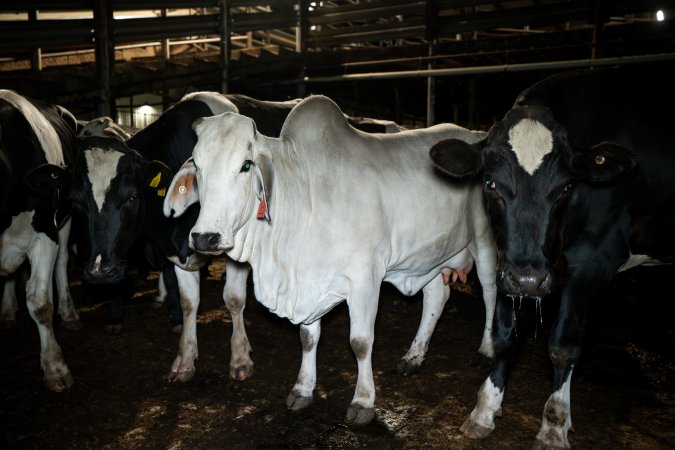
101 169
530 140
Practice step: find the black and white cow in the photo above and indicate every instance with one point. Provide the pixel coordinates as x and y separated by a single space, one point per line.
35 144
119 189
578 182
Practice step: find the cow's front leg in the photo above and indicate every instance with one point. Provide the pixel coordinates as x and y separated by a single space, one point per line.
42 256
183 368
564 351
435 295
362 312
481 422
9 305
234 296
302 393
172 297
70 319
485 257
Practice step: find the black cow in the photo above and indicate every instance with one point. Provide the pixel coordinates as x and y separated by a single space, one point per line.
36 142
578 182
119 189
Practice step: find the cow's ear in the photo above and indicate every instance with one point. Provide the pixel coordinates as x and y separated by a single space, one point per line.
604 162
457 158
47 179
183 190
262 169
157 178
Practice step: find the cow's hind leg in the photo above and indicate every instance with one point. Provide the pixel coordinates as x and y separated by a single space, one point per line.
302 393
481 421
39 292
183 368
435 295
234 296
9 305
70 320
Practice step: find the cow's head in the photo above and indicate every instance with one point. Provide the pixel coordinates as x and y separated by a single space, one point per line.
112 188
229 174
530 172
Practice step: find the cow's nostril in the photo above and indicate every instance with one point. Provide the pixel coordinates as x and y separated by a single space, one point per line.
206 241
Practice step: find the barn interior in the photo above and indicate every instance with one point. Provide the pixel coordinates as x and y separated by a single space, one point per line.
416 62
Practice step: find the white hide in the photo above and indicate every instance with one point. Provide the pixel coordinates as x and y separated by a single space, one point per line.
102 168
347 210
341 201
530 141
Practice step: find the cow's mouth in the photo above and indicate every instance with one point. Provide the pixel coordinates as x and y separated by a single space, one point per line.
103 274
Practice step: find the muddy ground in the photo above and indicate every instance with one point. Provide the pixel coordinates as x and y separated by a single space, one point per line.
623 391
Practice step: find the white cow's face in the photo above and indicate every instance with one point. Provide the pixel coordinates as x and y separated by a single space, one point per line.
225 177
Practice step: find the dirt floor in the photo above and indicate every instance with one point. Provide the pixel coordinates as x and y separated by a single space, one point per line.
623 391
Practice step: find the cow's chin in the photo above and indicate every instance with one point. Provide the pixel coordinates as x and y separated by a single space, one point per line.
109 277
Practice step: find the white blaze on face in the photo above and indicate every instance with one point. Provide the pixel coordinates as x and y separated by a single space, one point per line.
97 264
530 141
102 168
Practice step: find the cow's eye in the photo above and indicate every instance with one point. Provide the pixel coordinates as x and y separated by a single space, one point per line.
132 198
568 187
489 183
247 166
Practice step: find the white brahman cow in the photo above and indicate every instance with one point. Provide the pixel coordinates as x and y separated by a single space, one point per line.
325 213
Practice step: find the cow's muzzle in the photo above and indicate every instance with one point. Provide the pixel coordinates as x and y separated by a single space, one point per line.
526 282
209 243
103 273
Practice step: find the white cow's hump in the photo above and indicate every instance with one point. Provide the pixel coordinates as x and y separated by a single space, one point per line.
313 115
216 101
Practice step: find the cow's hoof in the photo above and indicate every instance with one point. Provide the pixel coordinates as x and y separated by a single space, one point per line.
178 329
59 383
406 368
480 361
242 372
7 324
182 376
296 402
540 445
359 415
72 325
474 430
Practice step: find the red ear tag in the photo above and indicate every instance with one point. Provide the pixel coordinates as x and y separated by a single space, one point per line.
262 209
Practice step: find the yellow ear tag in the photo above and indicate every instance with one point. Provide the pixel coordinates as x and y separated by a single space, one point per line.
155 181
161 192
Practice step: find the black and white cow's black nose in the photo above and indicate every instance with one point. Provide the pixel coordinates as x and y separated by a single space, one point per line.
206 242
527 281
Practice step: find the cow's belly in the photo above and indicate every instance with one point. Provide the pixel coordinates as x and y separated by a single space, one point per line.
15 241
409 281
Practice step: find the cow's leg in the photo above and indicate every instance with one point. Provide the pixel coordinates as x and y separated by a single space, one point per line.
564 350
173 298
70 320
160 298
302 393
234 296
435 295
183 368
481 422
362 311
39 292
112 324
485 257
9 305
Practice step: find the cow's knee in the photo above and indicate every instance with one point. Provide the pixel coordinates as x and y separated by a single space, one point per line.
564 356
